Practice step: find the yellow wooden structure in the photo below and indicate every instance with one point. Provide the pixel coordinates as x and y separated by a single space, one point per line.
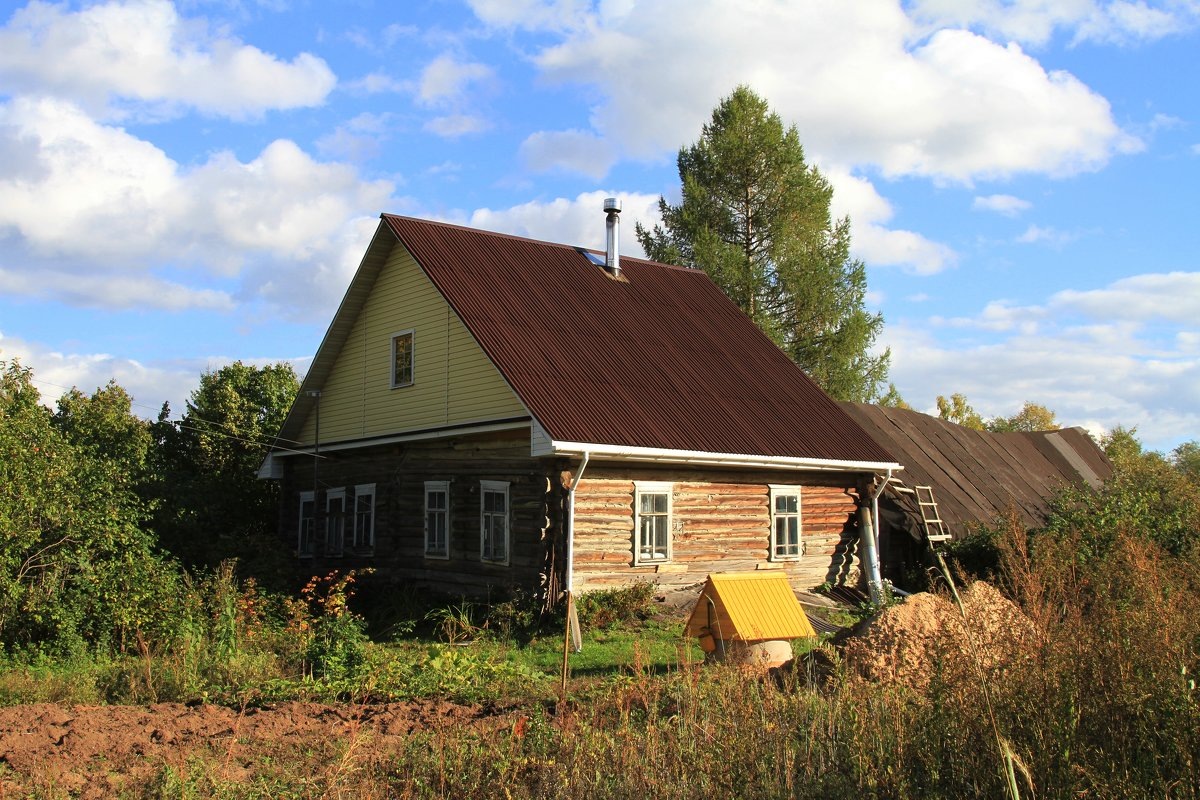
747 608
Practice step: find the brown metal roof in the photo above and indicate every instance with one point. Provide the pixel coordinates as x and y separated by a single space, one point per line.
658 358
978 476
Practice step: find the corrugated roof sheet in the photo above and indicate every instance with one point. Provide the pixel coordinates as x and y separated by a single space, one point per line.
748 607
978 476
658 358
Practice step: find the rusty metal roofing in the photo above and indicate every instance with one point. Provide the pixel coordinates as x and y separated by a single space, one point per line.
749 606
657 358
978 476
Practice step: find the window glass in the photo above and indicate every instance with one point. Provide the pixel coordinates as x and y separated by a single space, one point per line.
304 541
437 519
652 524
364 516
402 359
785 523
494 521
335 522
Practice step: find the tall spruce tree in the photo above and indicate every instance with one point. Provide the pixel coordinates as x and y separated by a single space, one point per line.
755 216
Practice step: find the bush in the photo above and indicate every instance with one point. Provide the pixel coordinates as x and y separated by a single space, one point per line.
604 607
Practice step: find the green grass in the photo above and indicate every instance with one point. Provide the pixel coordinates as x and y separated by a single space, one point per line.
655 645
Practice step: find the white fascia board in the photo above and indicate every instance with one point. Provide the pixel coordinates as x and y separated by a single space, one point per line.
701 458
270 469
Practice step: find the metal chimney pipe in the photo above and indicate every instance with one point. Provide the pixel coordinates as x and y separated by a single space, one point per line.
612 261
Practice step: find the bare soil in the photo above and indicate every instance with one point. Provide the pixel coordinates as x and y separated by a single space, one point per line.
100 751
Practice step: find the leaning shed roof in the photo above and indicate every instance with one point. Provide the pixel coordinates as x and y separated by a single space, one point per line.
748 607
979 475
656 358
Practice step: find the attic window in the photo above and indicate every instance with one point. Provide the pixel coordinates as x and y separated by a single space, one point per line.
402 359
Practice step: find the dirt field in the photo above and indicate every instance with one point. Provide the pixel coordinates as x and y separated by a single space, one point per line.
98 751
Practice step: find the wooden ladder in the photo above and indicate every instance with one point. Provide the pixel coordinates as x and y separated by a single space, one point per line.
935 529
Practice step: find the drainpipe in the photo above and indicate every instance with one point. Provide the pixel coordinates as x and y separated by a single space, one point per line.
870 540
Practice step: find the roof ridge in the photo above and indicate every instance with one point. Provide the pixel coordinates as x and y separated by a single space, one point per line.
529 239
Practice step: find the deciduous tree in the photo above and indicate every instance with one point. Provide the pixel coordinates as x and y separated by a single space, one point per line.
956 409
213 505
77 569
1031 417
755 216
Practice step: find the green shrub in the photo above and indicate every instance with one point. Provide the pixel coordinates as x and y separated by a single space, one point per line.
604 607
976 552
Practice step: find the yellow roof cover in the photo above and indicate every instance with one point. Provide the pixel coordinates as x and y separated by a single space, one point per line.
749 606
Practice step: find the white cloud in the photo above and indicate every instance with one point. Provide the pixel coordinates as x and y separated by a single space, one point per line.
444 80
1037 234
128 56
1004 204
1036 21
570 151
95 203
534 15
149 384
1101 357
55 372
377 83
578 222
952 106
110 292
358 139
454 125
879 96
871 239
880 247
1173 296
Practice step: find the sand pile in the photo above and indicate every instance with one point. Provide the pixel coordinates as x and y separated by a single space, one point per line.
926 635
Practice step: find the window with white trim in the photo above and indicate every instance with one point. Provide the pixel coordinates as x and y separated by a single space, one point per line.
307 527
335 521
437 519
402 359
651 522
364 516
493 521
785 523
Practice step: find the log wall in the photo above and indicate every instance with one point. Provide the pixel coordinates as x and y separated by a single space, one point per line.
721 521
399 472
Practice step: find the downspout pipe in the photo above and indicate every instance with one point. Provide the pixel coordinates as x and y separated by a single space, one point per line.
569 583
870 539
572 626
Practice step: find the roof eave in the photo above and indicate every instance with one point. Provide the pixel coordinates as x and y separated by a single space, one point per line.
700 458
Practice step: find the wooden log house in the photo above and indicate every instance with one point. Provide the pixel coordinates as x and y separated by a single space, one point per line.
489 413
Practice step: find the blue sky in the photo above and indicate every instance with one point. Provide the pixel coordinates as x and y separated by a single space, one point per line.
186 184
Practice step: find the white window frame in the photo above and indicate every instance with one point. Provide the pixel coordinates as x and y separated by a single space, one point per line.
773 545
485 516
366 541
412 367
641 489
335 524
310 528
444 488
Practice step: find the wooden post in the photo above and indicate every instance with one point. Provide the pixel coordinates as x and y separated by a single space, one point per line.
562 694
